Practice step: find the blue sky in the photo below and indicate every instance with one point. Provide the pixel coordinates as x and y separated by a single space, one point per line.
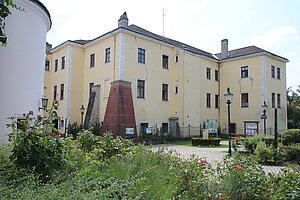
273 25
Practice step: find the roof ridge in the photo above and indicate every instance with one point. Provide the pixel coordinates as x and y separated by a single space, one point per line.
173 42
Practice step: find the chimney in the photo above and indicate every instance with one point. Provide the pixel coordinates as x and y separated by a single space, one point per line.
224 48
123 21
48 47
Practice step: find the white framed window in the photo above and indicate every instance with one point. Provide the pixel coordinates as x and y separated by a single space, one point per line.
92 60
244 100
176 89
165 92
107 55
165 62
176 59
141 55
141 89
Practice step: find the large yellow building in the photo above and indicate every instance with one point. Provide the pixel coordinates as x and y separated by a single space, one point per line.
170 81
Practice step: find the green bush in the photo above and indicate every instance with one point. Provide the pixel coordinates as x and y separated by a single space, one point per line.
291 136
264 152
250 143
33 148
87 140
241 178
286 184
291 153
108 146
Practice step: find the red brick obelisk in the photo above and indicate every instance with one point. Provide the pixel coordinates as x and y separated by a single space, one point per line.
119 115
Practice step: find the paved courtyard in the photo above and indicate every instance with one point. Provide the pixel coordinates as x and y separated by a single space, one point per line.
212 155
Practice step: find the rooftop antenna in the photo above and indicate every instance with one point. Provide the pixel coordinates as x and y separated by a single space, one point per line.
164 21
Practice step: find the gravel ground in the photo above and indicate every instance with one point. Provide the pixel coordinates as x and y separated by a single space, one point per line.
212 155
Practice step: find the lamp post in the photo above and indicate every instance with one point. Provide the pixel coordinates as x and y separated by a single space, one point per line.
228 99
82 112
275 136
44 103
264 117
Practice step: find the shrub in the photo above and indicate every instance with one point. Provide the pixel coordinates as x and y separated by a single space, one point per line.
286 184
291 153
74 129
250 143
107 146
241 178
33 148
87 140
263 152
291 136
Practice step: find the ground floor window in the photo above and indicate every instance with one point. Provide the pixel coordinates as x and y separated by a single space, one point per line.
165 127
144 127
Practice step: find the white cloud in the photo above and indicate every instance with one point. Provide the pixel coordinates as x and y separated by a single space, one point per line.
276 37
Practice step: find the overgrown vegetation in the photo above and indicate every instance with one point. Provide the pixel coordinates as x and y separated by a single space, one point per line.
107 167
293 108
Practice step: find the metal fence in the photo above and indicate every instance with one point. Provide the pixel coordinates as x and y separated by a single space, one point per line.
169 132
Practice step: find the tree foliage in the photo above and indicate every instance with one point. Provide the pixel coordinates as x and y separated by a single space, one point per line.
293 108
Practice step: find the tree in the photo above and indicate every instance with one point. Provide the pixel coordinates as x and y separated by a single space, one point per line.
293 108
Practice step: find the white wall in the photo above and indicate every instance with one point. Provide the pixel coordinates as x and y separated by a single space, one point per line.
22 62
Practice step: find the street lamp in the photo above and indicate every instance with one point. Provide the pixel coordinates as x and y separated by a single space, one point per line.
228 99
264 117
82 112
44 103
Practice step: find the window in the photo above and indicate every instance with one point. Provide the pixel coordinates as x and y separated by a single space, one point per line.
216 75
140 89
165 62
176 90
217 105
47 65
92 60
56 65
245 100
278 73
164 127
165 91
54 93
107 55
62 91
278 101
208 73
63 62
272 71
244 72
208 100
91 88
176 59
141 55
144 126
273 100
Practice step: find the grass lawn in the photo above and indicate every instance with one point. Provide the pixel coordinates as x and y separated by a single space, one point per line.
189 143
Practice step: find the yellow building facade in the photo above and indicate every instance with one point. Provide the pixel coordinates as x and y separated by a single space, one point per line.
169 80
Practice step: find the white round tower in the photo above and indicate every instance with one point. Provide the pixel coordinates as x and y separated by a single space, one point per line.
22 62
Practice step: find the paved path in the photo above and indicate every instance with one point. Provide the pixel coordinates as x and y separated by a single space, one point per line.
212 155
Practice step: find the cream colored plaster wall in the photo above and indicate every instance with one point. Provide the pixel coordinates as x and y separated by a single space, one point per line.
101 74
277 86
258 85
196 87
76 84
152 109
58 78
